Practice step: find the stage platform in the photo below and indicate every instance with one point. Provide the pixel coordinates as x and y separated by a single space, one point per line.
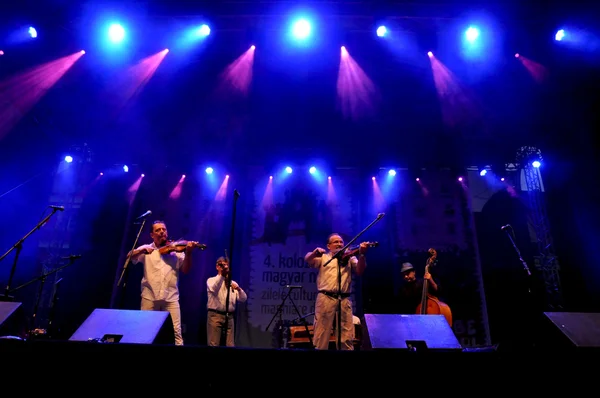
101 366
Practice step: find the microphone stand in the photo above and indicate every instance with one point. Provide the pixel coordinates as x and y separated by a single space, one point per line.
51 328
18 247
125 270
338 256
236 195
525 267
530 308
42 279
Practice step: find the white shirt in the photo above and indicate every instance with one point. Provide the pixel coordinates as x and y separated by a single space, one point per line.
327 279
161 274
217 295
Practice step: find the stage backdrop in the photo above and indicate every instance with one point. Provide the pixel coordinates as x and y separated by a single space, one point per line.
291 214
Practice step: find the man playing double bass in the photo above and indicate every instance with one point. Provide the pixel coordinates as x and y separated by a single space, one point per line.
412 289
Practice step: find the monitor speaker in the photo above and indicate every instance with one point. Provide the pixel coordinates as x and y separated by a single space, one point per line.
570 330
126 326
12 319
409 332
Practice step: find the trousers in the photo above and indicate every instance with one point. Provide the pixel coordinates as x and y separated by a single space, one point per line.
215 323
325 315
174 310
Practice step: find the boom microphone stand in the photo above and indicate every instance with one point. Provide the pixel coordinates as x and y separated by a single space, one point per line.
223 340
51 328
42 278
530 308
124 273
508 229
338 256
19 246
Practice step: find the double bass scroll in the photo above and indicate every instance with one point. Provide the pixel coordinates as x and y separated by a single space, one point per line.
430 304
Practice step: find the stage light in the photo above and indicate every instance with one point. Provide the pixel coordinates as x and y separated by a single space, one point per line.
472 34
209 170
392 172
288 170
559 35
517 55
460 179
32 32
381 31
270 177
483 172
1 52
252 47
301 29
312 170
203 31
536 164
429 54
116 33
125 169
82 51
143 175
68 159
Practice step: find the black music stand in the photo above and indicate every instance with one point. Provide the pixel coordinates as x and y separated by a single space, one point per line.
280 313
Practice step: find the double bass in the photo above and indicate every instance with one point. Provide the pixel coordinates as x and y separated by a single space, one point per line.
430 304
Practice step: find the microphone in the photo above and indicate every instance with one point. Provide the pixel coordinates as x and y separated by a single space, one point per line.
505 227
60 208
72 257
146 214
380 216
293 286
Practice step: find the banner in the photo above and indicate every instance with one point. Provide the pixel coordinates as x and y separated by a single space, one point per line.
293 215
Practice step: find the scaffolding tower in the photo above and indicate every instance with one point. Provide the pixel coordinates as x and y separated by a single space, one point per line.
546 261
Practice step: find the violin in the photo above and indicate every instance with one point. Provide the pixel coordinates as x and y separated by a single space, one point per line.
430 304
353 251
178 246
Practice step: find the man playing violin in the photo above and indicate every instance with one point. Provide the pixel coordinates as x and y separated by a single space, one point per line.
326 305
160 283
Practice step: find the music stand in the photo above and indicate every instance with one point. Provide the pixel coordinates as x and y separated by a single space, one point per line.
280 313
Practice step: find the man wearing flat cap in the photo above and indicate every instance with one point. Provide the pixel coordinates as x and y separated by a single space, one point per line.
412 289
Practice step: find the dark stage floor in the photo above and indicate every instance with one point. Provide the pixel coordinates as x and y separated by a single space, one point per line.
102 366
